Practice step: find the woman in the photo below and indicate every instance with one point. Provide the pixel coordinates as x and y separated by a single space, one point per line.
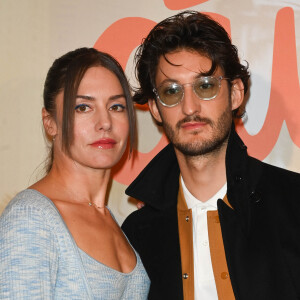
58 240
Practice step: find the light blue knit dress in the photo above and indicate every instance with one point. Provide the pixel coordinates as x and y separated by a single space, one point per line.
39 258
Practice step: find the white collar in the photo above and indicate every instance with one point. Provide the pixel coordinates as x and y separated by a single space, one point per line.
210 204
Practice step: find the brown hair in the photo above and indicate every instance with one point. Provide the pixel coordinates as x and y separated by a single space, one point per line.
189 30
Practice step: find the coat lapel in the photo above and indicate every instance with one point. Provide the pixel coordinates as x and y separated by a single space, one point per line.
160 252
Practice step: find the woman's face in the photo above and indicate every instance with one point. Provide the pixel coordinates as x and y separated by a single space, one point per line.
101 125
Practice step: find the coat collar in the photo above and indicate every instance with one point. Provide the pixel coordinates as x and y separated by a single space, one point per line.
157 185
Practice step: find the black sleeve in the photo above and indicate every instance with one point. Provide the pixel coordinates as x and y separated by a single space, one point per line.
128 228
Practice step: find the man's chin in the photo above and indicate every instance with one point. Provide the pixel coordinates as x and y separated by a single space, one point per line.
200 148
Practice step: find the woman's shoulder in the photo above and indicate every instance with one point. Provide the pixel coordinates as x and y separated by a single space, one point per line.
30 198
31 203
31 218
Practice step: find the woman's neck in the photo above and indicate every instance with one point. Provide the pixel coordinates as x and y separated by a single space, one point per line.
75 183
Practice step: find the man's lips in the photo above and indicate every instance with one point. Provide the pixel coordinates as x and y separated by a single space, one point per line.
193 125
104 143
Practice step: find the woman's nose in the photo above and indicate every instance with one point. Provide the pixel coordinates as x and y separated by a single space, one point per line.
103 121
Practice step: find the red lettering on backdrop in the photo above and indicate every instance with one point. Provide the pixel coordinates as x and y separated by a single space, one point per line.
182 4
119 40
284 101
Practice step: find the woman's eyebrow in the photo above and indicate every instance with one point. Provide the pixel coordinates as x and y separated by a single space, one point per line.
114 97
85 97
91 98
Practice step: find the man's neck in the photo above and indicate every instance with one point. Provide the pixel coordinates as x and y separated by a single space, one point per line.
203 175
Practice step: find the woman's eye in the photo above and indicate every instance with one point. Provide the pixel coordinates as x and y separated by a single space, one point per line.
82 108
117 107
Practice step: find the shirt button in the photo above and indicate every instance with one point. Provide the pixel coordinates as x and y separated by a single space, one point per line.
224 275
205 243
185 276
187 218
238 178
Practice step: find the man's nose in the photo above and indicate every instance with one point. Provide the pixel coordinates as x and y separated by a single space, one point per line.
190 103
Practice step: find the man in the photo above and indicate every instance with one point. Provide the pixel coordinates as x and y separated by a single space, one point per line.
217 224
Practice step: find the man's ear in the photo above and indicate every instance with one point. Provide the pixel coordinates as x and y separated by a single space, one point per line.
49 123
237 93
154 110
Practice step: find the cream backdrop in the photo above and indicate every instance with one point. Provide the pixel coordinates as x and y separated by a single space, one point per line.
35 32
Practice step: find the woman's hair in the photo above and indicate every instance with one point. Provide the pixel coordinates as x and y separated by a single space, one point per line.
65 75
188 30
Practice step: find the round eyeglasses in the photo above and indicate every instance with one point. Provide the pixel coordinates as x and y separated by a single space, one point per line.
171 93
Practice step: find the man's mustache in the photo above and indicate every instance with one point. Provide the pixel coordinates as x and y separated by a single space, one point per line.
194 118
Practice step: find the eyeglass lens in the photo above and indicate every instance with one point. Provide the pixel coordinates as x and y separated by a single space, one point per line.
206 88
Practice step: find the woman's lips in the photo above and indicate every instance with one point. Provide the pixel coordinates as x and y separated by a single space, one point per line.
104 144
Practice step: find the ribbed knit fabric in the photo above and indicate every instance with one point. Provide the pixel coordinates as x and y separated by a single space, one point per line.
109 284
39 259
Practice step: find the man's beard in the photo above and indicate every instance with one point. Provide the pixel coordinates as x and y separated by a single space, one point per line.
220 133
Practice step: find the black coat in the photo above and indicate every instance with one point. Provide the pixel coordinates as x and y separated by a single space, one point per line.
261 234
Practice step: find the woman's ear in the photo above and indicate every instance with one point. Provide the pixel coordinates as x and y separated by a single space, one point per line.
237 93
154 110
49 123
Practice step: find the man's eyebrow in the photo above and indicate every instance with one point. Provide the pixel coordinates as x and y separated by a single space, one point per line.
198 73
202 74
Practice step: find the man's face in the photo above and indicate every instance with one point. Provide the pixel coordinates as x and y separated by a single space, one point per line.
195 126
